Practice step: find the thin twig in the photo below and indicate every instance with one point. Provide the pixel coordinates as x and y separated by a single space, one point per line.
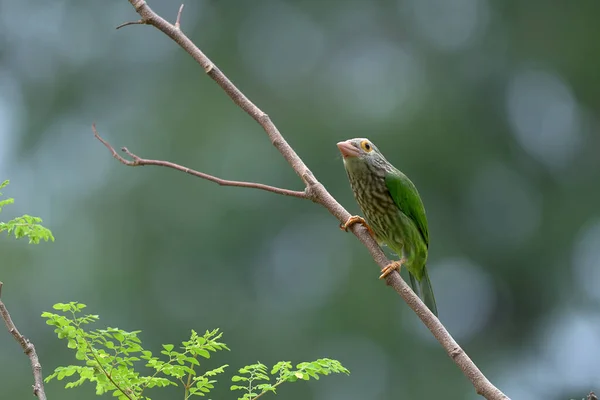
138 161
28 348
139 22
317 193
178 21
265 392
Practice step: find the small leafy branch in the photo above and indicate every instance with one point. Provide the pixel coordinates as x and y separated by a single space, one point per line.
109 355
284 373
24 226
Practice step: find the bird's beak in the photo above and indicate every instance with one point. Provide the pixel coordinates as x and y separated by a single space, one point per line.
347 149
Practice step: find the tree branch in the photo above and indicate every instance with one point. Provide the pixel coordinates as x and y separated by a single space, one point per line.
314 191
138 161
28 348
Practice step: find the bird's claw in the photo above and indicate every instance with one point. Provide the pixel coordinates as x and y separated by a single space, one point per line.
388 269
355 219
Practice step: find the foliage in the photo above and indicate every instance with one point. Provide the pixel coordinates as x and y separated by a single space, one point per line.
108 357
284 373
24 226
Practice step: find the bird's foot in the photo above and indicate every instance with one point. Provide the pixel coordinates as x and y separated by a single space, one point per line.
355 219
394 265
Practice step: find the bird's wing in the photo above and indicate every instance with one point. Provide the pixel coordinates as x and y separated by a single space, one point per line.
407 198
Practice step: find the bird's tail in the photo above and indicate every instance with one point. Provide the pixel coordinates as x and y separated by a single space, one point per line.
424 290
414 284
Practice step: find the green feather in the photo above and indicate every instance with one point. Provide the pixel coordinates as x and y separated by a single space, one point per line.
414 284
427 292
407 198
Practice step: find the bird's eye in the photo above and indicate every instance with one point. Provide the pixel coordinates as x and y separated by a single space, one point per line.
366 146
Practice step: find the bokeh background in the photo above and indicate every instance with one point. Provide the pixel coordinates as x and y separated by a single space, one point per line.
491 107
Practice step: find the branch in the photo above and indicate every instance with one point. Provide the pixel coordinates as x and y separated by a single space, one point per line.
314 191
28 348
138 161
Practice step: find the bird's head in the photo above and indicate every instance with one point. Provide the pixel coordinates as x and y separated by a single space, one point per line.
361 151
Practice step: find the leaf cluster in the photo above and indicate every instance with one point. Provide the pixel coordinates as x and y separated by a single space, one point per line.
257 379
110 358
24 226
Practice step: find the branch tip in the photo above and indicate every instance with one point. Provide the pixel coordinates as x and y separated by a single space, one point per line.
178 21
110 148
138 22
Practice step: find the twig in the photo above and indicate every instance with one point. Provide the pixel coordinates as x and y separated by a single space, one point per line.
317 193
140 22
178 21
138 161
28 348
265 392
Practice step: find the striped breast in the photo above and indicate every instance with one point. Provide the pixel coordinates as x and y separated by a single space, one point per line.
377 205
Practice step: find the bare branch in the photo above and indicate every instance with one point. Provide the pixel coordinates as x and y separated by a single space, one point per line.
138 161
178 21
139 22
317 193
28 348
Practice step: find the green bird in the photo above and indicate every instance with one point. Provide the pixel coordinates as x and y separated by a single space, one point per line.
395 215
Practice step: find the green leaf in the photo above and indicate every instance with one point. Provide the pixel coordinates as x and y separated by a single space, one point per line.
61 307
203 353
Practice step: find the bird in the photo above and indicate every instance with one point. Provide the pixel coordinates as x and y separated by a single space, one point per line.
394 212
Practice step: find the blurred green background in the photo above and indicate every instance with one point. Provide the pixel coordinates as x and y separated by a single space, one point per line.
491 107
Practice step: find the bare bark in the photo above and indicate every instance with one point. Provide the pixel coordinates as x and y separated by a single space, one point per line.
314 191
28 348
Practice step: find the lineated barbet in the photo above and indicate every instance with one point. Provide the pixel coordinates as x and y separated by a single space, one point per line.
394 212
